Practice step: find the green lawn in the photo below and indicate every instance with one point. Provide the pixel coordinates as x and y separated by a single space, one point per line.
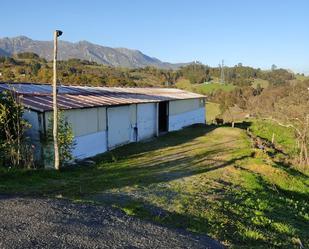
205 88
205 179
212 87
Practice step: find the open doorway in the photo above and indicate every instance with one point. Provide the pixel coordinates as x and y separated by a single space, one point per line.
163 116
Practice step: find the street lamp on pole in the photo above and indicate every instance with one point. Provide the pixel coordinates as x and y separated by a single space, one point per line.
57 33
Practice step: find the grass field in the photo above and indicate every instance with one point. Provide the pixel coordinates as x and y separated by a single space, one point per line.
284 137
205 88
212 87
205 179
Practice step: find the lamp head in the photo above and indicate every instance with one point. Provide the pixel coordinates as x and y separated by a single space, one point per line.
59 33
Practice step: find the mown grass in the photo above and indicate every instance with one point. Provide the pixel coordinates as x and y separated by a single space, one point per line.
205 179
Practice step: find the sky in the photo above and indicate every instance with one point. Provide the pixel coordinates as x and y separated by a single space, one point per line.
255 33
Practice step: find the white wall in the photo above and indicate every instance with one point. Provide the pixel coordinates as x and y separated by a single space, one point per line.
90 145
146 120
181 117
185 105
89 129
84 121
119 126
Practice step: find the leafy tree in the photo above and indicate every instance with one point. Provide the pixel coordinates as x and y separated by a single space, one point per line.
10 61
273 67
35 67
196 73
15 150
9 75
27 55
66 141
277 77
82 72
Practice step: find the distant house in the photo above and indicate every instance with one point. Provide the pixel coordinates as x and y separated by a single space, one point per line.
103 118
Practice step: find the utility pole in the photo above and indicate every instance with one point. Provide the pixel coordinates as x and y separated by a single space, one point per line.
57 33
222 72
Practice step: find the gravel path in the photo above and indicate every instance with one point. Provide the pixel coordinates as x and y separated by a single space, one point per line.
48 223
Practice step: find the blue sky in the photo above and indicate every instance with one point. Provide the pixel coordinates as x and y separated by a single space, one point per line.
257 33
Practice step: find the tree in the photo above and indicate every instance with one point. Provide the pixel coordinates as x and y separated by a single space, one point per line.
237 98
277 77
27 55
35 67
15 150
9 75
288 106
196 73
66 141
227 101
273 67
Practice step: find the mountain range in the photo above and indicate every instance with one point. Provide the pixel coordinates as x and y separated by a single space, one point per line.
84 50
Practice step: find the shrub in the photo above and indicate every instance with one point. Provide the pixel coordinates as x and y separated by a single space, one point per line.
15 149
66 141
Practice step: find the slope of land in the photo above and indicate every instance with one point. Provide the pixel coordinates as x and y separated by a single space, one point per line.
207 180
84 50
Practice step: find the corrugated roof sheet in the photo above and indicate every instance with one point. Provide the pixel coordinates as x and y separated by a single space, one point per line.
39 96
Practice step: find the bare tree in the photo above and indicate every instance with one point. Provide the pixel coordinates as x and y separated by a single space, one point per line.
288 106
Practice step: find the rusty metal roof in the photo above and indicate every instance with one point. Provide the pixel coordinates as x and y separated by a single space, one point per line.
38 97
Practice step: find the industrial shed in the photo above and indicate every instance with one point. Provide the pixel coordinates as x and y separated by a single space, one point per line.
103 118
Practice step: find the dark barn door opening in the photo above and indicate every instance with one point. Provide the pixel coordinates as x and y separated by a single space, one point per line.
163 116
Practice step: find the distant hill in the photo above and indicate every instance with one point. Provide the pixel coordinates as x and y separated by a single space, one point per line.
84 50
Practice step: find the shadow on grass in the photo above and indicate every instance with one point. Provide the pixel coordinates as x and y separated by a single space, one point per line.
272 151
123 175
111 171
168 140
244 125
229 217
260 218
290 169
